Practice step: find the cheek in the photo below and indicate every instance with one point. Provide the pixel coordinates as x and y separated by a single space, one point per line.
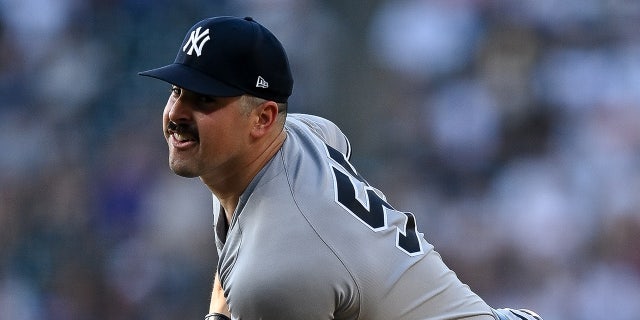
216 137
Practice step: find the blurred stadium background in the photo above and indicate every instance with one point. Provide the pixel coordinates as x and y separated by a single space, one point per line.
510 128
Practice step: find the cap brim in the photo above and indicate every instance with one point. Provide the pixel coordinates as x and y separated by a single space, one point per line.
193 80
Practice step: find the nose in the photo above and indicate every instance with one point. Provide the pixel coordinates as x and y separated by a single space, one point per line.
178 110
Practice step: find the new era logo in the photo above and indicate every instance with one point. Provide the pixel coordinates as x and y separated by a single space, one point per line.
196 41
261 83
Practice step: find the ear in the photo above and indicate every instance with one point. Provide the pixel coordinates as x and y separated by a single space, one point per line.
265 116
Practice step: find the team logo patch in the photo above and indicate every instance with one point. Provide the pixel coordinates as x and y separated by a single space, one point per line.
261 83
196 41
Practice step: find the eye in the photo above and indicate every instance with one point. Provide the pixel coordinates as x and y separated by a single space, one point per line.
175 91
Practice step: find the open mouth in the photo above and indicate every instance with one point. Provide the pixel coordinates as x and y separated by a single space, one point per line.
183 137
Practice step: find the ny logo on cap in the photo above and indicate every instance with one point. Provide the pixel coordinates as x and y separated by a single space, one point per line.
194 38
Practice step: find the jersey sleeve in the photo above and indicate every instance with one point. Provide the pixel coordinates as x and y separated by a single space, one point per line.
327 131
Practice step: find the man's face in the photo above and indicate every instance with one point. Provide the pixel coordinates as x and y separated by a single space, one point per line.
207 136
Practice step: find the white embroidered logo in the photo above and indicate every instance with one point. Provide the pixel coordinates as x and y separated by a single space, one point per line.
196 37
261 83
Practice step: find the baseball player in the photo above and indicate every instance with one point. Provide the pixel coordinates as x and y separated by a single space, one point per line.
300 233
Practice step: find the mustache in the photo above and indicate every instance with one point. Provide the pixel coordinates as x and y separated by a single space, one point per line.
181 128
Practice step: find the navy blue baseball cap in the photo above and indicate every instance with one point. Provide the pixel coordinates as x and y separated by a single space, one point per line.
229 56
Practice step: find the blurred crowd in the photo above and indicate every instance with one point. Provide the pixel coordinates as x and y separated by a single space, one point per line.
509 128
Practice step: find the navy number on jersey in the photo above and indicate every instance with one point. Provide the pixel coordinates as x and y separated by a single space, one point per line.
355 195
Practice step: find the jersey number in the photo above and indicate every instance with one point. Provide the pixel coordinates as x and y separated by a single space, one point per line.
368 207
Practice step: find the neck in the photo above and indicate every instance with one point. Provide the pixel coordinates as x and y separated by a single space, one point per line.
229 189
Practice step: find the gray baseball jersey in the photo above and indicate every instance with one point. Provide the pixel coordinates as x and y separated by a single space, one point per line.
311 239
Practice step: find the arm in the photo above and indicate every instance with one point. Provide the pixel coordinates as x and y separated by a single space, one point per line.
218 301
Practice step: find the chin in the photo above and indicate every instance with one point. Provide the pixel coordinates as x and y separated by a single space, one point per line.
183 171
185 174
